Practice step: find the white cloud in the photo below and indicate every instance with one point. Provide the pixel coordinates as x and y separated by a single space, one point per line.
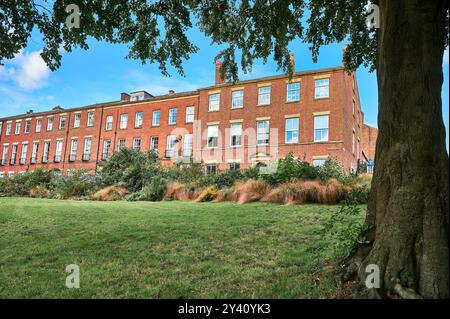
446 56
27 70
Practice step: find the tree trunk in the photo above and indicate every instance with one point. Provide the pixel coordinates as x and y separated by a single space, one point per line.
409 202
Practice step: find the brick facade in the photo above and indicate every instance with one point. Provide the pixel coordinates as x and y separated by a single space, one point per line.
264 101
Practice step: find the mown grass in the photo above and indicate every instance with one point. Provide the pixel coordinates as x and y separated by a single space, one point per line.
164 249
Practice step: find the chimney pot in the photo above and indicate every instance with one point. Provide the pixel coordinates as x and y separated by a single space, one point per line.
219 79
171 92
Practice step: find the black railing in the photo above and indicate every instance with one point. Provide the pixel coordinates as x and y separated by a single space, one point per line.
3 162
57 159
12 161
72 157
86 157
33 160
44 159
23 161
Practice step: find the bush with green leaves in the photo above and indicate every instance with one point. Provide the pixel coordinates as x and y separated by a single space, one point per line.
331 169
154 191
133 168
77 184
345 229
22 184
358 195
289 169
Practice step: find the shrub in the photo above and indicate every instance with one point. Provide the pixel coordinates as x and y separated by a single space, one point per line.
228 178
331 169
111 193
132 197
132 167
15 185
155 190
251 190
77 184
346 229
208 194
290 169
39 191
358 195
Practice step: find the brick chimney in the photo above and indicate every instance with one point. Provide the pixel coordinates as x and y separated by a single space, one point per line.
292 62
124 97
219 79
171 92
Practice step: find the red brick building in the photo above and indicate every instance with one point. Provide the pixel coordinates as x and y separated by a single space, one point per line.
315 115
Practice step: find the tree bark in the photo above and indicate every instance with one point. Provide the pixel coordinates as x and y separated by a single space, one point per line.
409 203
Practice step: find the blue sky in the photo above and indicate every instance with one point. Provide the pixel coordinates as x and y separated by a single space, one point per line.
101 73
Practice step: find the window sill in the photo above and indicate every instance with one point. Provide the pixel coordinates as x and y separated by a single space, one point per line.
154 125
263 104
212 111
321 98
291 102
237 108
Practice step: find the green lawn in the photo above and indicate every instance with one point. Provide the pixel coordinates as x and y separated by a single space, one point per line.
164 250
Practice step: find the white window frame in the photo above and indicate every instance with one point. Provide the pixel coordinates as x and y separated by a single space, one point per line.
264 95
5 153
173 116
234 127
139 119
322 88
109 123
35 150
49 124
260 134
170 145
214 102
24 152
27 128
318 162
74 147
38 125
106 149
77 120
90 119
293 92
62 119
123 124
237 102
188 145
18 128
46 151
324 130
212 133
87 149
8 129
59 149
119 142
156 118
293 130
190 114
152 142
135 143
